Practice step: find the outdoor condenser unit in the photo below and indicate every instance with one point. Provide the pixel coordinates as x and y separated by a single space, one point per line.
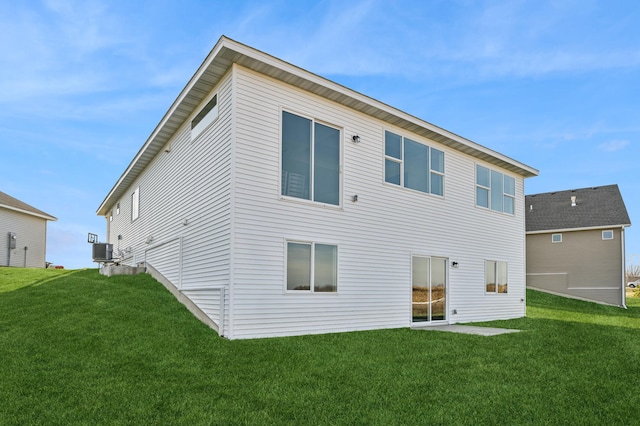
102 252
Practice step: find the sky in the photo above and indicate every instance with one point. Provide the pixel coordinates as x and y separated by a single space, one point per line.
552 84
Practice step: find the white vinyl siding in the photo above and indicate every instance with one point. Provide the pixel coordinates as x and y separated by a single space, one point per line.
375 235
215 215
186 209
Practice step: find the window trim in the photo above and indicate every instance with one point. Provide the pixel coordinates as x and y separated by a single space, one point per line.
496 263
401 162
488 189
607 238
135 204
556 235
312 267
310 200
207 115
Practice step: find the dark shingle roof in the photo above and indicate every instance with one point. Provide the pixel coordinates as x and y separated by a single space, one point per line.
7 201
595 207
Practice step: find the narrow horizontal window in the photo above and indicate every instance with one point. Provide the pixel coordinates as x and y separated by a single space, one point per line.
207 115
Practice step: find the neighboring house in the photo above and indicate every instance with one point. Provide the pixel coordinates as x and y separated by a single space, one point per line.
278 202
575 243
23 232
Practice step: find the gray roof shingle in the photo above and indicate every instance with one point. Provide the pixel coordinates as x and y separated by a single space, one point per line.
595 207
11 203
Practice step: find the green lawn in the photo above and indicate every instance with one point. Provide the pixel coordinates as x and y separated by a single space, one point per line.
79 348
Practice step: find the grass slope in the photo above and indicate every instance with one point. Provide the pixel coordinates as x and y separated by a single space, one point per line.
79 348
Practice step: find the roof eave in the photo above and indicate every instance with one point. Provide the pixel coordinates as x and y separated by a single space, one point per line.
41 216
227 51
586 228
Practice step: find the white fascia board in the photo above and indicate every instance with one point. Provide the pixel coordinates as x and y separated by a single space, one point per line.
591 228
41 216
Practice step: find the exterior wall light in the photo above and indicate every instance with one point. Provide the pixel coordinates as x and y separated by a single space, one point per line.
355 139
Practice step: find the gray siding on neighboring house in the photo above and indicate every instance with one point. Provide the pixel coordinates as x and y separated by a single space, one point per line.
31 232
583 265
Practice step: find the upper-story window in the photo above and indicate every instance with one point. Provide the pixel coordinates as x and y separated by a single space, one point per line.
310 160
495 190
607 235
413 165
205 117
135 204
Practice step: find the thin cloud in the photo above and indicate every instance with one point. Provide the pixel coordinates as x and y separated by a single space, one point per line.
613 146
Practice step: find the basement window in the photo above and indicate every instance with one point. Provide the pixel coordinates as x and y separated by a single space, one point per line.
205 117
607 235
312 267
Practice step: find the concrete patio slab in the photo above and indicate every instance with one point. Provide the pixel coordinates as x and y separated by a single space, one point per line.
468 329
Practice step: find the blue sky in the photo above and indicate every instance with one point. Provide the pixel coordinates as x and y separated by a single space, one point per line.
553 84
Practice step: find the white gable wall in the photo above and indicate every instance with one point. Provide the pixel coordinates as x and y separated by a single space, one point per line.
376 236
31 232
189 184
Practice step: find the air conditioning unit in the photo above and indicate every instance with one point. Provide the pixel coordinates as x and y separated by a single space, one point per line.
102 252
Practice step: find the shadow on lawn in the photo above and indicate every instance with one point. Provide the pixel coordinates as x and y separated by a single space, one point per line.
12 279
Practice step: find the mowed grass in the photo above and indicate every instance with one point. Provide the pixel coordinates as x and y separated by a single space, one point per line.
79 348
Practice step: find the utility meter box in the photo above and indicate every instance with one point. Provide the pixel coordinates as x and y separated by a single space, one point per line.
13 238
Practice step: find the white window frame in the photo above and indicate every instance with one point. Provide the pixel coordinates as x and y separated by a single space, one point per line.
117 208
555 240
401 161
488 189
135 204
311 200
496 264
608 231
311 269
202 120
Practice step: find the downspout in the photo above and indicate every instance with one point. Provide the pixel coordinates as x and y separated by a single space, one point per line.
624 270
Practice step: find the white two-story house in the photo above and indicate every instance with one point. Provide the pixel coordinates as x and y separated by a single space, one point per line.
277 203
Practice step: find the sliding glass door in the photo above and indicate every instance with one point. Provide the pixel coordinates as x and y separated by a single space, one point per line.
429 288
